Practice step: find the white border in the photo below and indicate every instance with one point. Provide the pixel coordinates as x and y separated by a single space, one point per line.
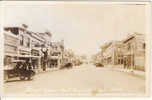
44 3
48 3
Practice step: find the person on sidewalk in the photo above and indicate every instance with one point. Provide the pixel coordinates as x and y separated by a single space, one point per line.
44 59
125 64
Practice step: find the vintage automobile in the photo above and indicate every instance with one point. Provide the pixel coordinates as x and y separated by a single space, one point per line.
18 68
98 64
67 65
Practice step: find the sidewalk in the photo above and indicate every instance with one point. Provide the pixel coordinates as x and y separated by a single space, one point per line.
129 71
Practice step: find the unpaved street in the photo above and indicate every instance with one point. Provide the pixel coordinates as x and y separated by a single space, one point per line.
84 78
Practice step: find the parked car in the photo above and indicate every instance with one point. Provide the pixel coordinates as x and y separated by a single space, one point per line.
99 65
20 69
67 65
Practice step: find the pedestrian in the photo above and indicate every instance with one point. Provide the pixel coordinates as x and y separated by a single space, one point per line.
45 57
125 65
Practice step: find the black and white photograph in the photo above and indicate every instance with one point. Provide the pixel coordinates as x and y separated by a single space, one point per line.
66 49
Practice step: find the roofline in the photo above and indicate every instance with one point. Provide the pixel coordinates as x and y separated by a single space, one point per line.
131 36
29 32
14 27
110 43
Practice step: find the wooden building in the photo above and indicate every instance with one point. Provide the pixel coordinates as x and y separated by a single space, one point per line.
134 51
10 46
21 44
112 53
56 54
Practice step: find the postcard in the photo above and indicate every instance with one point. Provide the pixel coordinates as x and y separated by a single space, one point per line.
75 49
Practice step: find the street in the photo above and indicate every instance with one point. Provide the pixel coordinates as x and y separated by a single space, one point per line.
82 79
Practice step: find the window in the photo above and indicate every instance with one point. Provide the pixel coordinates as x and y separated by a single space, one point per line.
118 61
129 46
144 45
21 40
121 61
14 31
28 42
37 44
55 47
7 60
56 54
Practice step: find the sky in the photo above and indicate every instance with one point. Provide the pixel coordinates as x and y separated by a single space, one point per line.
83 27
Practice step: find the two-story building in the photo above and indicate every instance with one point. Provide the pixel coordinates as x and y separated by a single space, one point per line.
134 51
10 46
20 40
56 54
111 53
20 43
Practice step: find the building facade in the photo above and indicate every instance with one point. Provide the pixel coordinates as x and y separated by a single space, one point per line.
134 52
56 54
10 46
21 44
129 52
111 53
